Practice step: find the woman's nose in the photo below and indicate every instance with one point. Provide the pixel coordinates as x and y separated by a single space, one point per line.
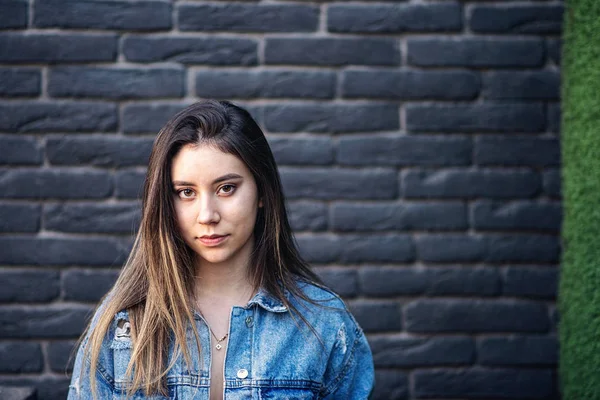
207 211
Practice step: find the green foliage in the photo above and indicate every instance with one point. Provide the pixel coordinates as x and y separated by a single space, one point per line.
579 295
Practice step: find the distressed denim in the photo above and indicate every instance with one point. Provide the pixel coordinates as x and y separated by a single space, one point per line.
269 355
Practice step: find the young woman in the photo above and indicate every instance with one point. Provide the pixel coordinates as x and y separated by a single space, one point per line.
214 301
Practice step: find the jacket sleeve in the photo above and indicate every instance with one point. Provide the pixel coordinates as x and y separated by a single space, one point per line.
350 373
80 387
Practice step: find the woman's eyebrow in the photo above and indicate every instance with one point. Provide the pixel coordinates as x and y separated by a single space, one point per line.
219 179
227 177
182 183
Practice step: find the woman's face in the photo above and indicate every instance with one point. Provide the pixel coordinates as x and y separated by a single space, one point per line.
216 202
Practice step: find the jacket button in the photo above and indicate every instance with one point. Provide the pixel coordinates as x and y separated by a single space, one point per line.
249 322
242 373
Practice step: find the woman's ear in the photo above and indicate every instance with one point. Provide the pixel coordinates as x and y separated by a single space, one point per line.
260 203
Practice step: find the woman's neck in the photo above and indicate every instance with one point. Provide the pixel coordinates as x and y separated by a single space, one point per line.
226 283
223 283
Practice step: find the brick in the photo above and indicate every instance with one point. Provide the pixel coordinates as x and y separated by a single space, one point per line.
348 249
521 350
19 82
400 281
59 355
62 252
523 248
148 118
20 150
21 217
392 281
517 150
339 183
115 83
18 393
265 84
103 14
384 18
554 50
391 385
92 218
57 48
506 118
151 117
464 281
104 151
331 118
454 183
88 286
554 117
377 316
43 321
450 248
319 248
55 183
517 216
302 151
306 215
411 85
522 85
473 316
476 52
531 282
29 286
57 116
248 17
341 280
399 216
404 150
49 388
543 19
408 352
207 51
552 183
481 383
376 248
13 14
20 357
331 51
129 184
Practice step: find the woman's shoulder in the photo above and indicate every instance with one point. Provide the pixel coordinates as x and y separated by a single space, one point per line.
320 294
322 303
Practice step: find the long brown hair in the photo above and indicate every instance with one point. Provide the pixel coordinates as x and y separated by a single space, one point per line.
155 284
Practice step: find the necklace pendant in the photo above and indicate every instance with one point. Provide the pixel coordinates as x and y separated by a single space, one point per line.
218 346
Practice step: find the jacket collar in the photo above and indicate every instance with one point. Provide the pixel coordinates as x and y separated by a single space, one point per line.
267 301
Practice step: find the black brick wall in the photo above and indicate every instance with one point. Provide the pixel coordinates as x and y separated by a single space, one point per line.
419 150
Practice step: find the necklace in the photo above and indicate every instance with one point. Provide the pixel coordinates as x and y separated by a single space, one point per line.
218 346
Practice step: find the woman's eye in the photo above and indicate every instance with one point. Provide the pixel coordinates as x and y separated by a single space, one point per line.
185 193
227 189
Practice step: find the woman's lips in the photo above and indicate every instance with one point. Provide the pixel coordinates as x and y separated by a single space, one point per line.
212 240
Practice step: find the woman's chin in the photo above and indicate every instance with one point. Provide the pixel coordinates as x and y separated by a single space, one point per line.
214 256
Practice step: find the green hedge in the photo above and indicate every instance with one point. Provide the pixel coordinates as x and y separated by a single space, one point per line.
579 294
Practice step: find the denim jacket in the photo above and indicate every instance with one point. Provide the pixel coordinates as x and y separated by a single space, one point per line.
269 355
